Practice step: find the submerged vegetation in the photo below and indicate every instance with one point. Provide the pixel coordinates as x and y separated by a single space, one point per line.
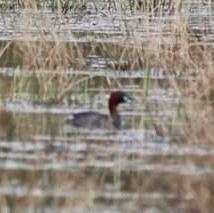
60 51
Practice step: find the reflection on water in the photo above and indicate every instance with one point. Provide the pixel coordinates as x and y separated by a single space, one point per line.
46 165
7 126
92 172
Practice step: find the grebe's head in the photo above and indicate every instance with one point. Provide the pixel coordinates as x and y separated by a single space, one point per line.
119 97
116 98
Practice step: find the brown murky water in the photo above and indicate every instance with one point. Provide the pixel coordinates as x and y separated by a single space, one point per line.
46 166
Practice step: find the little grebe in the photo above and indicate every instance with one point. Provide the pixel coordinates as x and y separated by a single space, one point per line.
95 120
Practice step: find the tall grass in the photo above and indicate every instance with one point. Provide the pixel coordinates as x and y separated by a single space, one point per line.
181 53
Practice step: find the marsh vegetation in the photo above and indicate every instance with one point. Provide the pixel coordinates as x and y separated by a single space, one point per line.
58 57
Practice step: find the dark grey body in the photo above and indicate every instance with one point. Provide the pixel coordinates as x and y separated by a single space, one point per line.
92 120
